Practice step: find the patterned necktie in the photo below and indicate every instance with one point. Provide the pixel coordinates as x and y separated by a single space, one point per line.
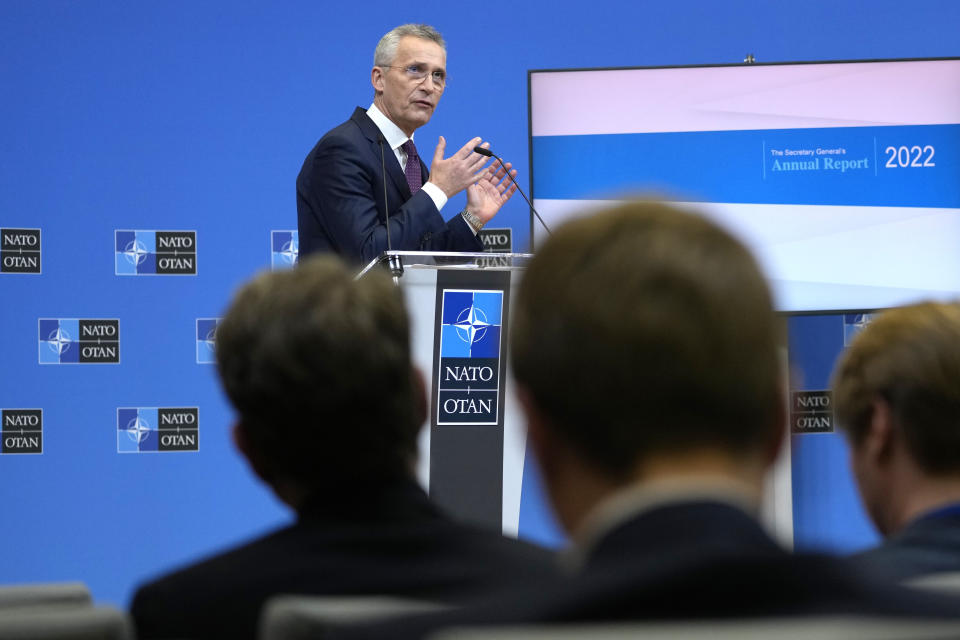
414 177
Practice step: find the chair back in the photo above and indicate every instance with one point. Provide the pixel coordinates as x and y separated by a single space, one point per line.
303 617
802 628
53 593
946 583
64 622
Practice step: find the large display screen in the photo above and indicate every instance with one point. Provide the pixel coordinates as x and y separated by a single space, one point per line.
844 177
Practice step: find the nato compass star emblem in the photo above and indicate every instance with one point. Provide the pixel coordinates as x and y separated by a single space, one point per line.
284 249
135 252
853 324
471 325
138 429
290 251
210 340
59 341
207 340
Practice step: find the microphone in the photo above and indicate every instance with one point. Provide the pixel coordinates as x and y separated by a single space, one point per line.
490 154
386 206
396 268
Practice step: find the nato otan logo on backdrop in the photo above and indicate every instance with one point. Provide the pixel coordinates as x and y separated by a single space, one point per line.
22 430
812 412
155 253
76 341
496 240
207 340
19 250
469 371
156 429
284 249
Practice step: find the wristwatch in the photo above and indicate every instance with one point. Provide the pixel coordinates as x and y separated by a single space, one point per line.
475 222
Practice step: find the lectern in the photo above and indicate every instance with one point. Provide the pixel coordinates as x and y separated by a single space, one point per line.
472 449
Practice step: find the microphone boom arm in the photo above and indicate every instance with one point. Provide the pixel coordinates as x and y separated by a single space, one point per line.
490 154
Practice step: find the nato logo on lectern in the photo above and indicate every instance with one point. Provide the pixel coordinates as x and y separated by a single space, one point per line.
22 430
155 253
469 368
207 340
157 429
19 250
77 341
284 249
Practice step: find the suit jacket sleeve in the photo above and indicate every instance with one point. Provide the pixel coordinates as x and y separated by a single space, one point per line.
340 189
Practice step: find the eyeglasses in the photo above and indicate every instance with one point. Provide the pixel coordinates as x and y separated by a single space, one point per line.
419 73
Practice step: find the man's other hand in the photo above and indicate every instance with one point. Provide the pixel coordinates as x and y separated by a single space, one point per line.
491 191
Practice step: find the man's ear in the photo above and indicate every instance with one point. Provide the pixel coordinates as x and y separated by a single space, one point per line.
376 79
778 435
878 441
538 434
253 457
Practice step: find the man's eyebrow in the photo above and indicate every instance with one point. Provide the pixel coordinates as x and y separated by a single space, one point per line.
418 63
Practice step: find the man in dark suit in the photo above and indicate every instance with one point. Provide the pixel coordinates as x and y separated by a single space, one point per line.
343 196
329 405
645 352
896 394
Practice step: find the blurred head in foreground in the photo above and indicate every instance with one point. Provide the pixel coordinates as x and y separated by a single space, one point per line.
896 393
644 345
317 365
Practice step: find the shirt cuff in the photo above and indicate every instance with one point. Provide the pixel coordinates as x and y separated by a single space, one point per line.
436 194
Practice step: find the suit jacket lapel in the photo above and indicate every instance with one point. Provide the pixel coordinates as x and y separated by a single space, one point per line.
373 134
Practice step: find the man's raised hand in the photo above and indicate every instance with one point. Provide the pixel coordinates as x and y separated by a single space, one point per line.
462 169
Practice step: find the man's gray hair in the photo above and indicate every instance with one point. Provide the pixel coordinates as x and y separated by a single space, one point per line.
386 49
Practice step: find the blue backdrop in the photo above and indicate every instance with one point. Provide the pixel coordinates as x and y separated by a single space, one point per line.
196 116
827 512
